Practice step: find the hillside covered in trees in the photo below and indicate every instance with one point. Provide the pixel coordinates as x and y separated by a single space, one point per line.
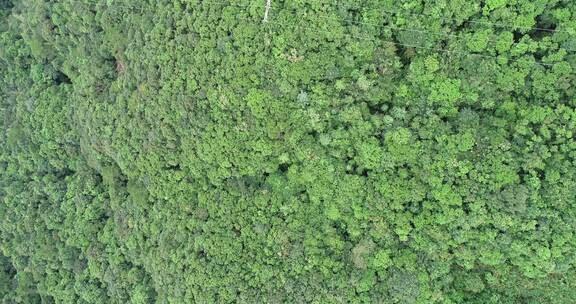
375 151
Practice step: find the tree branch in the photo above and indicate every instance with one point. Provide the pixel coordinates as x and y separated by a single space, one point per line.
266 11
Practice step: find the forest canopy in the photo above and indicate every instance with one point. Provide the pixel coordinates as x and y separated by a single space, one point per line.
376 151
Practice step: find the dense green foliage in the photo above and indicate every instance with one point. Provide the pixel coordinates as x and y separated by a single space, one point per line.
377 151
